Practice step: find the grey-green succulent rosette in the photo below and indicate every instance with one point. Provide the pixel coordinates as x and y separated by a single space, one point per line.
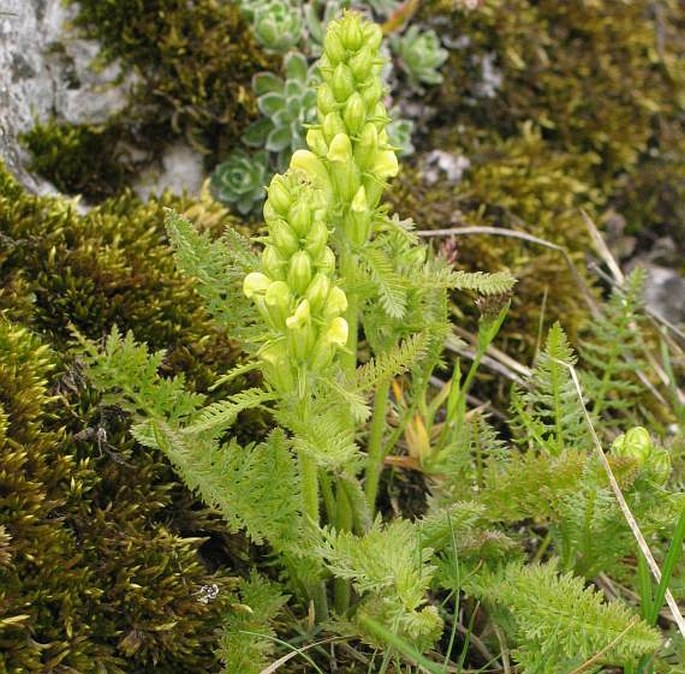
420 55
240 180
288 106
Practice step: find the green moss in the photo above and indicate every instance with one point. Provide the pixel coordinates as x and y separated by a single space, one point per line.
99 564
80 159
589 73
195 62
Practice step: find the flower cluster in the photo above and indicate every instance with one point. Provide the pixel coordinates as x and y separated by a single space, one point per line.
295 291
351 138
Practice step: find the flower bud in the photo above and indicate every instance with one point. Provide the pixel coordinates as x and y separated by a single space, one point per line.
278 300
316 142
373 35
326 261
342 82
273 263
332 125
358 218
361 64
270 213
636 443
300 272
340 149
334 337
385 164
659 463
371 95
337 332
354 115
333 46
300 318
325 100
367 146
316 239
317 292
351 34
279 195
336 303
255 283
314 169
283 237
300 217
276 366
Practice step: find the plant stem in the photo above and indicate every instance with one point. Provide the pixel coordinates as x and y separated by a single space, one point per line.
375 449
343 522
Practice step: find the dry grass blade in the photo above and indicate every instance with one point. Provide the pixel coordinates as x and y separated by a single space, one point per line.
623 505
602 249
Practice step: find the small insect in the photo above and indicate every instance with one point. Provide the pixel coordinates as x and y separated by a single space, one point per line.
207 593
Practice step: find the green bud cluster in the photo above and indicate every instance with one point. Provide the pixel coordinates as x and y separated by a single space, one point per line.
637 445
350 139
295 291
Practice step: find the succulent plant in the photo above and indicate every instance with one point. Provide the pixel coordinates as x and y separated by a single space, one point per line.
399 134
277 24
420 55
241 179
287 105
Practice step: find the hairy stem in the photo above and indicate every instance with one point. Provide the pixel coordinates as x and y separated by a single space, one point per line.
375 450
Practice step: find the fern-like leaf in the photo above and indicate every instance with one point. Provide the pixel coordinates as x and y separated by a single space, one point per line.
392 363
390 286
550 410
497 283
217 417
219 267
248 640
559 624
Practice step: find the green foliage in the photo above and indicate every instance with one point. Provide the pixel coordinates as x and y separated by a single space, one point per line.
240 180
243 651
337 276
613 352
420 56
391 572
559 624
550 410
79 159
